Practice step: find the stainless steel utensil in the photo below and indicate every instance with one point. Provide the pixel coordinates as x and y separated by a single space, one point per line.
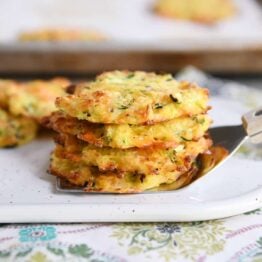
232 137
229 137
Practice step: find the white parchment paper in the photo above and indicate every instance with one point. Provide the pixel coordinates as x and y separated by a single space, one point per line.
132 23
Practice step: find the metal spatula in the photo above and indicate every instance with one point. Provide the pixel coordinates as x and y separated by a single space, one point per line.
232 137
229 137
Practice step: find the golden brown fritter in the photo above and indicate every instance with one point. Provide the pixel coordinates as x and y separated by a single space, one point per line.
61 35
148 160
126 136
123 97
36 99
112 182
204 11
16 131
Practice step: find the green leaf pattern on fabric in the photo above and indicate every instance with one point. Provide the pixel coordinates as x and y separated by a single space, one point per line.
172 239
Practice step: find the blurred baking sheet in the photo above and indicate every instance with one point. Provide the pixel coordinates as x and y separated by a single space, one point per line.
137 38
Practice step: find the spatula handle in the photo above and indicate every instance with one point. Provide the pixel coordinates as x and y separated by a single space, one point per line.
252 122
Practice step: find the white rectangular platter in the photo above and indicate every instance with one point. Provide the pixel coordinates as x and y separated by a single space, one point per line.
28 194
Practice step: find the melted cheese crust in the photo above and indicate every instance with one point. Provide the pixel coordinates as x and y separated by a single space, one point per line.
112 182
149 160
125 136
122 97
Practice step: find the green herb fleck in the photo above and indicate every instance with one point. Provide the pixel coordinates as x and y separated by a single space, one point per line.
174 99
108 139
172 156
185 139
121 107
200 121
158 106
130 75
30 108
142 178
87 113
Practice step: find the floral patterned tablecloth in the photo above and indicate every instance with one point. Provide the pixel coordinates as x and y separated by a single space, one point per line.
233 239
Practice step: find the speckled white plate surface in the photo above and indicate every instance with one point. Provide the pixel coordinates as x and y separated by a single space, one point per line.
27 192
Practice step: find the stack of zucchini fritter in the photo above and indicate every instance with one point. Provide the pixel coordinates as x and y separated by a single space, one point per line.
127 132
